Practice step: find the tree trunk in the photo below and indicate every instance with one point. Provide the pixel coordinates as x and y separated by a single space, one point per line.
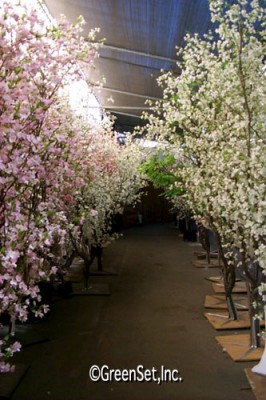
204 240
252 290
86 273
229 277
99 258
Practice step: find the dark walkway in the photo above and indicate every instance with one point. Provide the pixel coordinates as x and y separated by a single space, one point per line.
154 317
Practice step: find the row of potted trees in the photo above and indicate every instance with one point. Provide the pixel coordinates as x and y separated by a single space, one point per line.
62 176
212 120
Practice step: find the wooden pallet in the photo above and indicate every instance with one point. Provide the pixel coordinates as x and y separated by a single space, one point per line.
215 278
204 264
99 289
203 255
240 287
238 347
220 321
218 301
257 383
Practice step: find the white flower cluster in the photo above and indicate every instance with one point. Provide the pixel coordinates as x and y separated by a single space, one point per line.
214 111
111 182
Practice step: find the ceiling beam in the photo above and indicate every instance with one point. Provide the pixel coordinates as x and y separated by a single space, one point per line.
137 53
124 108
138 64
127 93
126 114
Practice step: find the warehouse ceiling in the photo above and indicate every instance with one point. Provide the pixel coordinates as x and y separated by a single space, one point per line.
140 40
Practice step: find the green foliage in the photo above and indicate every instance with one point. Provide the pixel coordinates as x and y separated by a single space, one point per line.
162 170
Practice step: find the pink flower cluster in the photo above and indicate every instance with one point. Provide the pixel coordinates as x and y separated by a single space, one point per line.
40 152
59 175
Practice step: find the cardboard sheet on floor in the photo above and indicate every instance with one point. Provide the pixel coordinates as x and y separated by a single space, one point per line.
216 278
10 381
204 264
99 289
74 277
203 255
75 273
218 301
240 287
257 383
238 347
220 321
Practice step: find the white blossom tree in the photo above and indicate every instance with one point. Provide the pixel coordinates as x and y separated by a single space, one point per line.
112 181
214 111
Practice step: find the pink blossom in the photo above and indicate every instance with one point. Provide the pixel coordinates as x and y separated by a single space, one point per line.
40 152
15 347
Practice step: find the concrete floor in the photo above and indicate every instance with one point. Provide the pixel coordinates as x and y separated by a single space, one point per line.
154 317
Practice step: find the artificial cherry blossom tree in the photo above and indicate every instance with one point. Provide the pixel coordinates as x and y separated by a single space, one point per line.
214 112
111 182
39 151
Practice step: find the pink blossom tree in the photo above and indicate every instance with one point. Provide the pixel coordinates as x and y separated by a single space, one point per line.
39 152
